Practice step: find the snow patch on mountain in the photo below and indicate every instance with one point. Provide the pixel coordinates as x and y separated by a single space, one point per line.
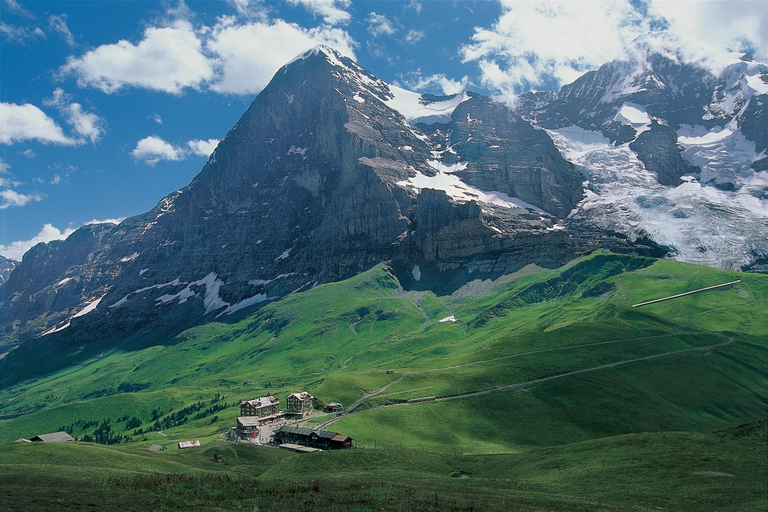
635 116
211 299
89 307
250 301
459 191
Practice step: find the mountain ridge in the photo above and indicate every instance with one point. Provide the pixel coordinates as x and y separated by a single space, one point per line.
331 171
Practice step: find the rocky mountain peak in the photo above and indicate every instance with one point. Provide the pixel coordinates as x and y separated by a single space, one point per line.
328 172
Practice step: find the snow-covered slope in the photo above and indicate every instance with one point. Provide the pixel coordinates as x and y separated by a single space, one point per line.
699 187
699 223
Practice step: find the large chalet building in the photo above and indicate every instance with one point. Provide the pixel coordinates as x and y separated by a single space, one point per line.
260 407
299 403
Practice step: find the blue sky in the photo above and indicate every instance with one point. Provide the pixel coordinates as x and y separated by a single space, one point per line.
109 105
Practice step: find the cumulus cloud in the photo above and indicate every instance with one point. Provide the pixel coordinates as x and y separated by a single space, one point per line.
231 57
87 125
543 45
202 147
27 122
167 59
11 198
379 25
704 30
438 82
153 149
16 250
332 11
248 58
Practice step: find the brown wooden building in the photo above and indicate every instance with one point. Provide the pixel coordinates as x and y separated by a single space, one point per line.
322 439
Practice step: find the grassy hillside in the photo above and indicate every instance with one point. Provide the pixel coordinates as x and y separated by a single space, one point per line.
713 471
535 361
337 340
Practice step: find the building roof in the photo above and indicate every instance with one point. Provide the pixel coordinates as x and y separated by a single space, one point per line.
301 396
303 431
156 448
189 444
262 401
249 421
299 448
54 437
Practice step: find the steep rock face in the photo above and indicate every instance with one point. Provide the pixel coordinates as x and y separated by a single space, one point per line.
505 153
322 177
6 266
658 150
754 121
666 88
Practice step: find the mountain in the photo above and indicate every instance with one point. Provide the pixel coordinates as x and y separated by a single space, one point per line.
6 266
324 176
332 171
670 153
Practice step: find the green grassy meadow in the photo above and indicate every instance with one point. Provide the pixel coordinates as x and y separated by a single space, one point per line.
551 393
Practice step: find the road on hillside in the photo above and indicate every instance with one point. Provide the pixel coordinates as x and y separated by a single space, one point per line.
525 384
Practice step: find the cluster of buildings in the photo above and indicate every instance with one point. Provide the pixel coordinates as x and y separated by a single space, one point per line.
265 411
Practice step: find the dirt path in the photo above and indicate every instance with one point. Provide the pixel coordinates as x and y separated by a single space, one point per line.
584 370
525 384
570 347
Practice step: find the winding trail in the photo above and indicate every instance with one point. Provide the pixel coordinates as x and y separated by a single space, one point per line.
351 409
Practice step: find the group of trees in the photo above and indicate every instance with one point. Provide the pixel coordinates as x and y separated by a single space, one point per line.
106 433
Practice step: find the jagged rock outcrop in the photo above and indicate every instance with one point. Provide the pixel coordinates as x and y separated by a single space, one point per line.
658 150
6 266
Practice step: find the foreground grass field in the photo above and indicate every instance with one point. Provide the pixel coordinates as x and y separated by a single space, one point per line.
716 471
551 392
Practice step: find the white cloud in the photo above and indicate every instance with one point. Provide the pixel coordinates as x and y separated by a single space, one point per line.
230 57
439 81
153 149
4 167
59 24
105 221
549 43
379 25
416 6
11 198
19 35
332 11
704 29
249 8
202 147
27 122
16 250
167 59
414 36
87 125
14 7
248 56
